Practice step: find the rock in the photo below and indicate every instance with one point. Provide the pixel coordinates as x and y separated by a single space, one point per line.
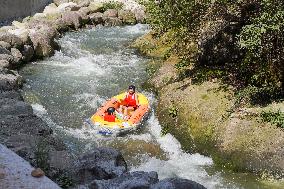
37 173
4 51
83 3
14 107
140 15
11 95
111 13
5 45
28 53
22 33
17 55
59 2
68 7
12 39
102 163
95 7
50 9
43 37
132 180
110 21
4 64
61 25
127 16
83 12
97 18
10 80
72 19
177 183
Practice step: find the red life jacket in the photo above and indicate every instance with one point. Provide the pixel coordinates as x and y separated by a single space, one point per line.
130 100
109 118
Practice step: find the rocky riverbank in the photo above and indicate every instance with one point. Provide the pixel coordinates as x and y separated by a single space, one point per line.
202 114
26 134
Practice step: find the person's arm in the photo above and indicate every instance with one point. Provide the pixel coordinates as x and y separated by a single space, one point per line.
137 101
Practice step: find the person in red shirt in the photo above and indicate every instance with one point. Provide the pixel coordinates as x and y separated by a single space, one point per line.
109 116
130 101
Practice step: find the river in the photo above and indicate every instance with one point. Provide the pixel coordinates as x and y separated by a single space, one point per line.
94 65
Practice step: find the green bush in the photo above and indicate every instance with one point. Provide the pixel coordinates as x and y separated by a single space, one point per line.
112 5
276 118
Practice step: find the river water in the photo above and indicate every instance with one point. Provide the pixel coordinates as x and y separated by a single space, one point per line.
94 65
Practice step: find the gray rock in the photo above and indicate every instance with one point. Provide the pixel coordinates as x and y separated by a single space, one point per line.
12 39
5 45
83 3
102 163
97 18
11 94
14 107
177 183
17 55
110 21
28 53
4 51
4 64
83 12
72 19
7 57
43 39
111 13
10 80
140 15
134 180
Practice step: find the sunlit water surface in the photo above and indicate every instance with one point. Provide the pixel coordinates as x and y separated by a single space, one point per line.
92 66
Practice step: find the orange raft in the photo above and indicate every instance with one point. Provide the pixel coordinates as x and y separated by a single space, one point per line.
119 126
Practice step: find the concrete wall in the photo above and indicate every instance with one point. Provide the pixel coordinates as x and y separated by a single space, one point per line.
13 9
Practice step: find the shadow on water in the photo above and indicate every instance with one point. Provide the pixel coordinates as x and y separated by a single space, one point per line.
92 66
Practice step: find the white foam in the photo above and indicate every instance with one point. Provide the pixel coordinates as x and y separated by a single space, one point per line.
39 109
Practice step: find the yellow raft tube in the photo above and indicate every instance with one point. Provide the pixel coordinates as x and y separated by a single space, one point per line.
120 125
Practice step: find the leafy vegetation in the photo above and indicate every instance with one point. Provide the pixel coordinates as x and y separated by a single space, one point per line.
240 42
112 5
276 118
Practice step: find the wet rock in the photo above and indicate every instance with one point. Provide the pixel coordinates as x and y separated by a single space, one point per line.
102 163
97 18
177 183
28 53
134 180
37 173
110 21
127 16
5 45
83 12
12 39
14 107
64 7
111 13
72 19
10 80
95 7
17 55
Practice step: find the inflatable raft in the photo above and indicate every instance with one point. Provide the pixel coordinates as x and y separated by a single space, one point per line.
120 125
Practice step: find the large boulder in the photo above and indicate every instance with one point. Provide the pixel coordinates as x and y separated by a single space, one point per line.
127 16
102 163
21 33
43 36
96 7
97 18
72 19
134 180
14 107
12 39
177 183
4 64
111 13
83 3
68 7
6 55
84 13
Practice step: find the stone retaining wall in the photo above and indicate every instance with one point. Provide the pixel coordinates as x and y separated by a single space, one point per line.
13 9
